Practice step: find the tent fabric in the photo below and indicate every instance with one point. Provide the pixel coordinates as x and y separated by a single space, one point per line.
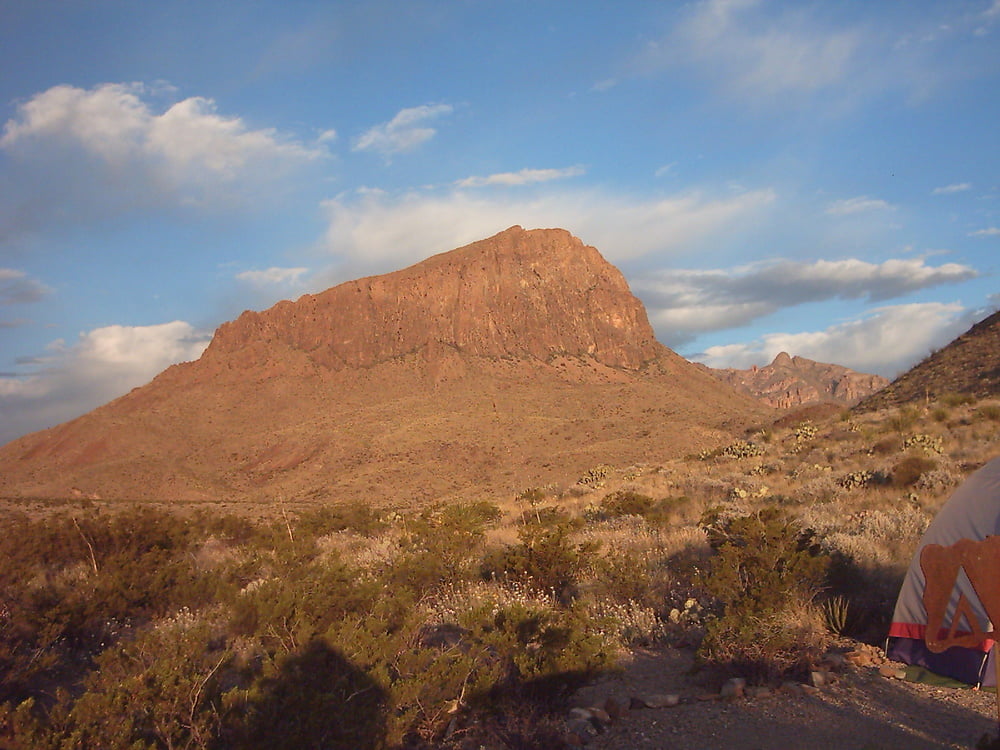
972 512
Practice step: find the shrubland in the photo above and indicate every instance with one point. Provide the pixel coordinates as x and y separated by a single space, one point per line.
366 626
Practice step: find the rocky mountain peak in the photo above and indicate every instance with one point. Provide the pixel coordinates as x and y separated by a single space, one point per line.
521 293
790 382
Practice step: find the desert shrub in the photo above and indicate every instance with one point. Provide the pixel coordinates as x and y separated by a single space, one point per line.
957 399
293 608
765 572
907 472
298 648
546 557
837 613
442 543
357 516
625 503
313 697
903 419
936 481
161 687
988 413
887 446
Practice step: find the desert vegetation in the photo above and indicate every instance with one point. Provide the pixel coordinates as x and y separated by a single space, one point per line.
362 626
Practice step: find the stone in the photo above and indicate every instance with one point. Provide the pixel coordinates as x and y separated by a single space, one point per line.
614 708
660 700
820 678
892 671
834 660
758 691
734 687
600 715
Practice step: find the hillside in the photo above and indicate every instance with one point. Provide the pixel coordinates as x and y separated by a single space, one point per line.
520 360
969 366
790 382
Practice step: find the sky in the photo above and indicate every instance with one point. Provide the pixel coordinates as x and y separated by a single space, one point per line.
812 177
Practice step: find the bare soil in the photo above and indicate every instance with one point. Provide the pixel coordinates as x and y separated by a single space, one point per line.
861 709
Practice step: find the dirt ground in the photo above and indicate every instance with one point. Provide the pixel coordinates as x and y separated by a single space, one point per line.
861 710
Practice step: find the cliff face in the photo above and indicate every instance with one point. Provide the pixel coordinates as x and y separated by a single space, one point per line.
518 361
790 382
523 294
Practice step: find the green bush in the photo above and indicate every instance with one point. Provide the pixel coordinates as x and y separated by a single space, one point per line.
546 557
765 572
142 630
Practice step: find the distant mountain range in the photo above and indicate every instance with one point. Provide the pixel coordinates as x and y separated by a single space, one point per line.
791 382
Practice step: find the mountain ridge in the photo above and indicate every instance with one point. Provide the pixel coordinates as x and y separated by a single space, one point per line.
520 360
790 382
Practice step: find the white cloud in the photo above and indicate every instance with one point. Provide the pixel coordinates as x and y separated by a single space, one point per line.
958 187
887 341
381 231
988 232
856 205
522 177
85 152
684 303
780 56
103 364
756 54
273 276
16 288
404 132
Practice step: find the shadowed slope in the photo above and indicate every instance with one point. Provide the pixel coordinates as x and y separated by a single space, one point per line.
969 365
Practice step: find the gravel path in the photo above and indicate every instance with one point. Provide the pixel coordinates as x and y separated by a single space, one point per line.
862 710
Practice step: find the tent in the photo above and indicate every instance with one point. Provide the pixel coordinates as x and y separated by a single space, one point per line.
972 513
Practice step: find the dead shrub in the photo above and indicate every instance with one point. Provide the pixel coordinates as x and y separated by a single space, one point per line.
907 472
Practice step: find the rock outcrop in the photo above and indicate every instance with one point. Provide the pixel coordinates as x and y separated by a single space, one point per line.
792 382
518 361
518 294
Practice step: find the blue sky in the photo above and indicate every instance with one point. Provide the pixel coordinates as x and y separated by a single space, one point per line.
819 178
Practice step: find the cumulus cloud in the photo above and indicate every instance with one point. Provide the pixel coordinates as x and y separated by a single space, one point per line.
684 303
404 132
958 187
886 342
101 365
273 277
988 232
856 205
16 288
79 152
380 231
523 177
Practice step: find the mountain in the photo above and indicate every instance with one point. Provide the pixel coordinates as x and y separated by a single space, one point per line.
969 365
520 360
790 382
